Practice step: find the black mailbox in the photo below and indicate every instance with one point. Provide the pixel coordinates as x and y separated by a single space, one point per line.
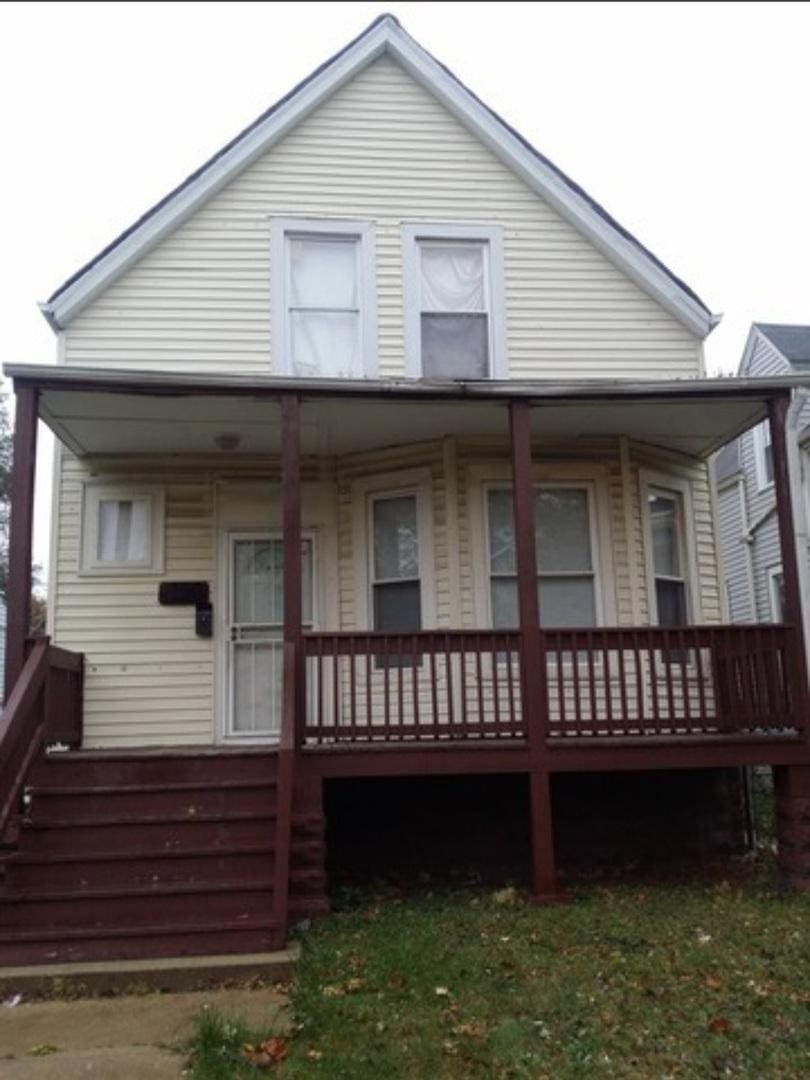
194 594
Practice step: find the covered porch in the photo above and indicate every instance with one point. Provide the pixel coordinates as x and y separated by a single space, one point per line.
468 689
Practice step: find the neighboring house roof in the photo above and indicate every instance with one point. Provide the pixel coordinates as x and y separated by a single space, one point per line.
384 36
792 341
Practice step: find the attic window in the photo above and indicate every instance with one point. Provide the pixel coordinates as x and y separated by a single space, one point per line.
454 302
323 299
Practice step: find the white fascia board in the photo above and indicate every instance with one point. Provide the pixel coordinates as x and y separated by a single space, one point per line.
389 37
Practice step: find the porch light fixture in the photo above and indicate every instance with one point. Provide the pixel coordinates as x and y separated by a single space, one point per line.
227 441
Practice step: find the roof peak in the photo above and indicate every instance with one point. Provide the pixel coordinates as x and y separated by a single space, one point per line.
384 35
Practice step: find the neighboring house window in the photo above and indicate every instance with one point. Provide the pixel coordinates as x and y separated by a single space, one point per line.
122 530
667 544
396 586
323 300
454 302
566 574
763 455
776 590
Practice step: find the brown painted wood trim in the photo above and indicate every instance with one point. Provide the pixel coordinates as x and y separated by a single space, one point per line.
777 415
533 659
293 702
18 592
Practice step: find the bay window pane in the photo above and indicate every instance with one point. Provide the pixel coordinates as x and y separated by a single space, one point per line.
325 344
664 527
567 601
671 602
398 606
323 272
452 276
455 346
505 615
562 528
396 541
501 532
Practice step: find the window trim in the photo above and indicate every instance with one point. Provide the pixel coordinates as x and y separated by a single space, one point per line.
482 478
417 482
491 236
762 440
283 228
93 494
774 572
649 483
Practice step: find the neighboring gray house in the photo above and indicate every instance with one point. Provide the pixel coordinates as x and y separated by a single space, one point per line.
744 473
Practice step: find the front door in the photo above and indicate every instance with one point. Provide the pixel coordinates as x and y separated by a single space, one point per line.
255 627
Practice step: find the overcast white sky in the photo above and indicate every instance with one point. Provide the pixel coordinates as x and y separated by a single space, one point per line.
688 122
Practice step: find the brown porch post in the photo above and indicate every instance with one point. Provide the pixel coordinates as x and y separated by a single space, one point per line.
18 589
532 658
292 684
792 782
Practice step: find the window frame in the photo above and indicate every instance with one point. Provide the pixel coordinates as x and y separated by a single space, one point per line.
93 494
417 482
371 500
681 490
491 238
762 440
284 229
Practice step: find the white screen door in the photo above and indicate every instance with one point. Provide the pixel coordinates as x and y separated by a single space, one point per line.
256 617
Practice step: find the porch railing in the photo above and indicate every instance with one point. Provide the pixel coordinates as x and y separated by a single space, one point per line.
466 685
438 684
43 708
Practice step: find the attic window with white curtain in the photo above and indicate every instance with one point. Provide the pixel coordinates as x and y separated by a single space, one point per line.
454 302
323 299
122 530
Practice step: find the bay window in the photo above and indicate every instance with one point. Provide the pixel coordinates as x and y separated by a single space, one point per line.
566 571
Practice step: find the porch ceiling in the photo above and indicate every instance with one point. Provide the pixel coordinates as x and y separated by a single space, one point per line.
129 412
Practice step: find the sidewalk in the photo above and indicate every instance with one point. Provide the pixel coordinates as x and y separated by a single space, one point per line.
127 1038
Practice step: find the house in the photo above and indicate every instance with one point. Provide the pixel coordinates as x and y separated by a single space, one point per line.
383 451
746 490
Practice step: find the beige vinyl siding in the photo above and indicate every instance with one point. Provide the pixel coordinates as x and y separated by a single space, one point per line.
151 681
383 150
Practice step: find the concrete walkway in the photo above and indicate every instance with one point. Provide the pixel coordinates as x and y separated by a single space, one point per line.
123 1038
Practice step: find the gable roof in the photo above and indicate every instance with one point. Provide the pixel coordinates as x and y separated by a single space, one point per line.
792 341
383 36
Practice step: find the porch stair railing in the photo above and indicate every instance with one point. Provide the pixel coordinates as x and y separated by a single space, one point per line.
365 687
43 708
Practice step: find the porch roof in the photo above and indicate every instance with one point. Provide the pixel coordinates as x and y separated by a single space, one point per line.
127 411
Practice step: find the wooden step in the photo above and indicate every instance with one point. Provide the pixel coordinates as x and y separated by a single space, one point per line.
191 903
71 944
83 768
53 873
186 799
147 834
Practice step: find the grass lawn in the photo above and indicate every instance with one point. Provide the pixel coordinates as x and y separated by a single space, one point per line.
625 981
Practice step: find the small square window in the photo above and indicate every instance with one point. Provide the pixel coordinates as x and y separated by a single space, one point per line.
122 530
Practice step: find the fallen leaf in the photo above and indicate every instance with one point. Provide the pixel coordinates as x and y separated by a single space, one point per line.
720 1025
711 982
396 982
333 991
506 897
270 1052
470 1030
314 1055
42 1050
442 991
